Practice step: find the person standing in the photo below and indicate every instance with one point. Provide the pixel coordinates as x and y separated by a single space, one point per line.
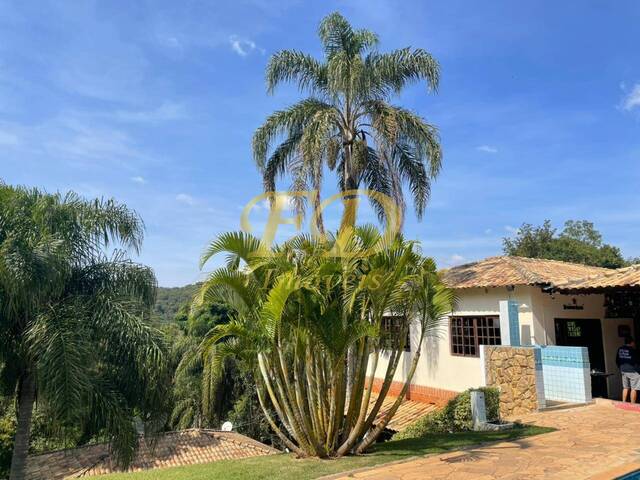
627 361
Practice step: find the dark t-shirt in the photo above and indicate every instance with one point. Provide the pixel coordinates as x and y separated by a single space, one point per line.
627 359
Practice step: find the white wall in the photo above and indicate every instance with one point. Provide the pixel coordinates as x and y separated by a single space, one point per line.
549 307
437 367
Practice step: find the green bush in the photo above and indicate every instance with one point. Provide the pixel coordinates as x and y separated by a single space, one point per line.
7 432
454 417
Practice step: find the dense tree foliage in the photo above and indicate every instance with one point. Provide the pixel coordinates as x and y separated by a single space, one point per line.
171 300
73 329
348 124
297 315
578 242
199 398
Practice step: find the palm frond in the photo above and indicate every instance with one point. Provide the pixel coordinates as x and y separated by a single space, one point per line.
238 245
395 70
284 122
293 65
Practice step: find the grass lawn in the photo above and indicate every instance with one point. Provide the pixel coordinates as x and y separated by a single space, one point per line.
286 467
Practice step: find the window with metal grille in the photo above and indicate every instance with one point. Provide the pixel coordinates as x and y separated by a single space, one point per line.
468 333
392 326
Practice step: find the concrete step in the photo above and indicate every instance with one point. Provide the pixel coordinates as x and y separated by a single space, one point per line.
555 405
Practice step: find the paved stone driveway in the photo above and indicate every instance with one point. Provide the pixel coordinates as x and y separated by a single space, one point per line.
591 442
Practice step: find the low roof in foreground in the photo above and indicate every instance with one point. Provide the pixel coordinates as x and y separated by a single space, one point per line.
507 270
408 412
172 449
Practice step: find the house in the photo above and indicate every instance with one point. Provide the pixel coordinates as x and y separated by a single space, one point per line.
567 319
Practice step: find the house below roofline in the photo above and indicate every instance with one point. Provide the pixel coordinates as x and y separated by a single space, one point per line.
523 302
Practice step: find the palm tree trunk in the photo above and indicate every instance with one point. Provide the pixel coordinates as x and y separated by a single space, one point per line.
26 399
356 430
394 360
317 211
288 443
350 204
375 433
350 184
351 370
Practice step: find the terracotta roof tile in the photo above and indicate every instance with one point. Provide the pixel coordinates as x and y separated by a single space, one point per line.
628 277
187 447
408 412
507 270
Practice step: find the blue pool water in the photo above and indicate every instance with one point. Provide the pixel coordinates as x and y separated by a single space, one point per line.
631 476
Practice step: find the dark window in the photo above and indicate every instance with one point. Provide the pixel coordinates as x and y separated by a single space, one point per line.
467 333
392 326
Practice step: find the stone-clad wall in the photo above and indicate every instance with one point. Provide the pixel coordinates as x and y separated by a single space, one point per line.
513 371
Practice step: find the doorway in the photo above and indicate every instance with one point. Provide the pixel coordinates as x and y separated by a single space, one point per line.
585 332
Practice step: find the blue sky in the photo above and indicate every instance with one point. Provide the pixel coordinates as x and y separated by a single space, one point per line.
154 103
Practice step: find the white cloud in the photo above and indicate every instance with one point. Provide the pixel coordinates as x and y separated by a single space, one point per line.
165 112
488 231
632 99
8 139
511 229
139 179
243 46
287 202
104 69
487 149
78 139
172 42
448 261
186 199
73 138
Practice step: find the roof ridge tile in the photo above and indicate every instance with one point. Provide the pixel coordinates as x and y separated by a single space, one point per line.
501 271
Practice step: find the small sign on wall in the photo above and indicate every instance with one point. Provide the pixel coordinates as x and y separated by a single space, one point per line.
624 331
574 305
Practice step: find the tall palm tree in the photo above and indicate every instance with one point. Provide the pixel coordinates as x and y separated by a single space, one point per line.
296 315
73 330
348 123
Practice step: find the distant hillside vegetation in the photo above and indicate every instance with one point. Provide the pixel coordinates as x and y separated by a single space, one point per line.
170 300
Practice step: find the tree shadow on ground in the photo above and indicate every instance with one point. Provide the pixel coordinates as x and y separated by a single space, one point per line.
443 442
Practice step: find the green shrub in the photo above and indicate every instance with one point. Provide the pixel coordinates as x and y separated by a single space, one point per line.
7 432
454 417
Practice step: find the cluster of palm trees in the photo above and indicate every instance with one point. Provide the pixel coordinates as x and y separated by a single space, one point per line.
300 312
74 330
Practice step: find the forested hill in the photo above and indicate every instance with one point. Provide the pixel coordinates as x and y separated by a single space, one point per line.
170 300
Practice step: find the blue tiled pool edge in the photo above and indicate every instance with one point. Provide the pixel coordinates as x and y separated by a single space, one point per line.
635 475
566 373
